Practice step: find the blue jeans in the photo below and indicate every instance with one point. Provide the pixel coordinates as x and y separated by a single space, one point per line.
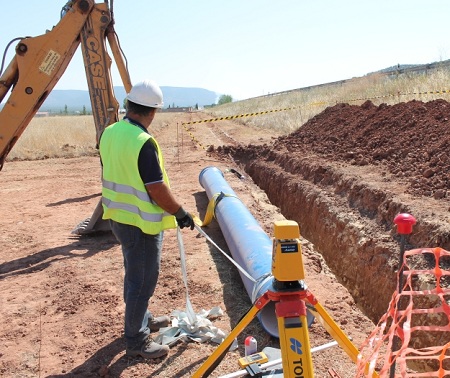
141 258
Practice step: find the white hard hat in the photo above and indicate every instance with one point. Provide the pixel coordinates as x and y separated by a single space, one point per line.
146 93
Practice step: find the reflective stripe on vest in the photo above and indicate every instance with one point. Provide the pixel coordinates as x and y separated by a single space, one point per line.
149 217
126 189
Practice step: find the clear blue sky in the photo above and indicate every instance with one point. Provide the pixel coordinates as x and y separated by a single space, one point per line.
247 48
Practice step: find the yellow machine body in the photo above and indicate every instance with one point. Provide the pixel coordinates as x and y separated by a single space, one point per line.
287 261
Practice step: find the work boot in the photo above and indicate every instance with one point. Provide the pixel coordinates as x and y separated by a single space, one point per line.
148 349
159 322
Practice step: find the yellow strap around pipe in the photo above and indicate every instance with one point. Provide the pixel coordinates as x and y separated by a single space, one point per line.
210 210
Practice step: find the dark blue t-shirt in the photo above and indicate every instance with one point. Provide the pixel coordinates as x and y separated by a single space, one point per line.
148 162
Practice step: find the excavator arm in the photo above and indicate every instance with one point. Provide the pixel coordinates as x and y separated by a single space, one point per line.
40 62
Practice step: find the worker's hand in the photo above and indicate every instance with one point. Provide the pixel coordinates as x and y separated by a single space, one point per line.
184 219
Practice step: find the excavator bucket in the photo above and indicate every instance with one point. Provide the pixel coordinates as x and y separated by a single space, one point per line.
93 224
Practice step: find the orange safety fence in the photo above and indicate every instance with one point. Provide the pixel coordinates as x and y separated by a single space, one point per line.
414 335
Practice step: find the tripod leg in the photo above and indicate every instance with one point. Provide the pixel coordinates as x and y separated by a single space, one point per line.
334 330
294 339
217 356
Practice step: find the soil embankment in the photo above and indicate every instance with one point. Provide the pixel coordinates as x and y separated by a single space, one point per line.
345 175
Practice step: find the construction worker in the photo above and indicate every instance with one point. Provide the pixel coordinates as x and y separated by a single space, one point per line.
137 200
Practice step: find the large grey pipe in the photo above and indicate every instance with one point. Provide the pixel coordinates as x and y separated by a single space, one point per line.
249 245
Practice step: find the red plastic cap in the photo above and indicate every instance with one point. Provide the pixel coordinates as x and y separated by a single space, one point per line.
249 340
404 223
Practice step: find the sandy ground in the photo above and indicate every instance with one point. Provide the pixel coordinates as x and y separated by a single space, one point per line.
61 295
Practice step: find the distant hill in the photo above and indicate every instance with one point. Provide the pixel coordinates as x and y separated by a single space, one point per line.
404 68
173 97
396 68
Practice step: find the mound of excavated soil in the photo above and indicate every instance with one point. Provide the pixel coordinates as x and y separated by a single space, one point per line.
345 175
409 140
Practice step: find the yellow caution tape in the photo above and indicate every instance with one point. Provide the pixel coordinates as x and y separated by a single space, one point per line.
195 139
320 103
240 115
399 94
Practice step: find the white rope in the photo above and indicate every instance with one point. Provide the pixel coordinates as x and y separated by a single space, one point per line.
190 310
203 233
187 325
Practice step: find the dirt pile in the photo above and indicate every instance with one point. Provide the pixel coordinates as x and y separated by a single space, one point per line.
347 172
410 140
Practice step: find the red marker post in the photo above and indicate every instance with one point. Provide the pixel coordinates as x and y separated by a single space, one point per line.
405 223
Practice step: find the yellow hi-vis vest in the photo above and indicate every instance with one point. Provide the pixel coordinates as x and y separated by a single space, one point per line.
124 196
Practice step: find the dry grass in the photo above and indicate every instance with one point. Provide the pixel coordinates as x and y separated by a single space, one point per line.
70 136
64 136
50 137
307 103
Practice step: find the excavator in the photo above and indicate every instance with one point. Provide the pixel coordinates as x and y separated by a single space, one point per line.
39 63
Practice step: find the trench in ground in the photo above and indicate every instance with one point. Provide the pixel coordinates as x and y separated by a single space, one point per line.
348 218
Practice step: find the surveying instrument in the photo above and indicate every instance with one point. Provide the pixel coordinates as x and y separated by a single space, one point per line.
291 298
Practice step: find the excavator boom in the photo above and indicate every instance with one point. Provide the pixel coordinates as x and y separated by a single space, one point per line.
41 61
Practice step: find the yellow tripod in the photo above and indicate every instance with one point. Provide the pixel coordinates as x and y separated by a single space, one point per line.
291 298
